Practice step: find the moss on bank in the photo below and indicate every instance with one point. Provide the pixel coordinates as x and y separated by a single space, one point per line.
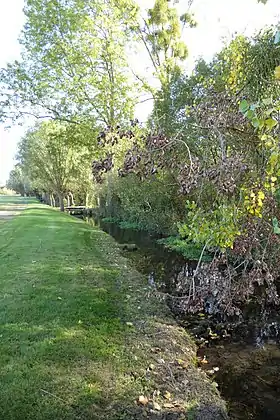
83 336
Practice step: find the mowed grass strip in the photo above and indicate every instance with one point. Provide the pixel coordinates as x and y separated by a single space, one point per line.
62 340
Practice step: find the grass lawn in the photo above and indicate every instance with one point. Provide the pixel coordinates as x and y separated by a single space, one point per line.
71 318
61 336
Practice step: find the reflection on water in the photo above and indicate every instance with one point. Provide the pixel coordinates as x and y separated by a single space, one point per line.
247 352
249 378
152 259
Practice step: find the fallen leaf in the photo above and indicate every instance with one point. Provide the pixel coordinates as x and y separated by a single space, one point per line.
167 395
129 324
143 400
203 361
168 405
156 406
183 363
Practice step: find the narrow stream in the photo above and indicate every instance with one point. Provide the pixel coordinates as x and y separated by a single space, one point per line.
243 358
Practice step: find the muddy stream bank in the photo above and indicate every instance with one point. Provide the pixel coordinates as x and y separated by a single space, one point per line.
242 357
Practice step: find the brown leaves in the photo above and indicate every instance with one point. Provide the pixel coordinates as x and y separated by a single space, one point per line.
218 110
149 403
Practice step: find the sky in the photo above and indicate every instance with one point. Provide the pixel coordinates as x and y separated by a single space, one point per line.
218 20
11 22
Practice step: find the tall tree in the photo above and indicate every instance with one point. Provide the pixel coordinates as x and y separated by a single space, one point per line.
73 64
52 157
18 181
161 34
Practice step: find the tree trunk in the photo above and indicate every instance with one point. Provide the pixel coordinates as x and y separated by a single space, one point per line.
109 195
72 198
68 200
61 201
48 199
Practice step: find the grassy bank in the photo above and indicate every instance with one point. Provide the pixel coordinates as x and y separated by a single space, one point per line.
81 336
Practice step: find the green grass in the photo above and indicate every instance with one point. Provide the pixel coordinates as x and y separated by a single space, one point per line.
8 200
77 326
61 335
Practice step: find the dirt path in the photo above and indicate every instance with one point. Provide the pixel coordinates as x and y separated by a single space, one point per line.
9 214
10 207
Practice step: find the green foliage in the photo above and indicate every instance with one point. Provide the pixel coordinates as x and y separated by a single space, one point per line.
244 67
215 228
264 118
189 250
73 65
54 158
147 205
18 181
223 158
130 225
109 220
162 37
